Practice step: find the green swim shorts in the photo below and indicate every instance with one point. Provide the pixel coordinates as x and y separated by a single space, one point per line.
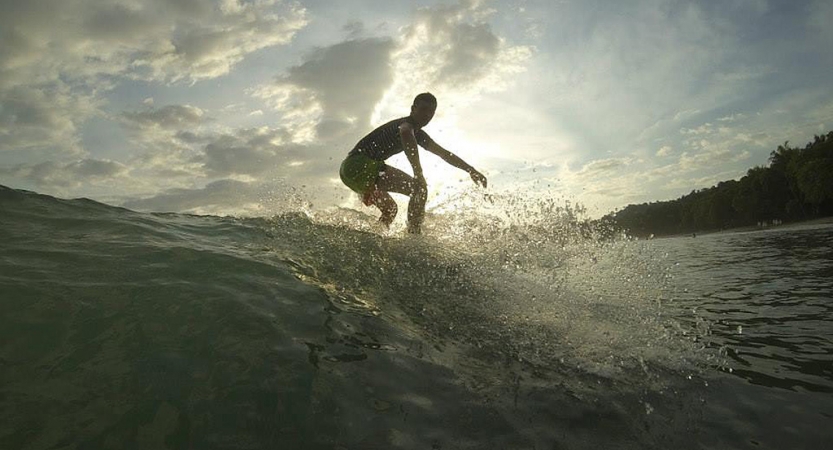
360 172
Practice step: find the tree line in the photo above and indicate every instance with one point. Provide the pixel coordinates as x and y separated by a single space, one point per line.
796 185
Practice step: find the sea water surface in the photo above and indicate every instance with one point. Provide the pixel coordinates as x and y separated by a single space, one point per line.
121 329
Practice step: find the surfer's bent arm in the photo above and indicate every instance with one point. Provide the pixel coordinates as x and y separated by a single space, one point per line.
457 162
406 133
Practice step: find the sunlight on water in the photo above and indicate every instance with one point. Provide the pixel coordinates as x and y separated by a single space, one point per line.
528 280
511 321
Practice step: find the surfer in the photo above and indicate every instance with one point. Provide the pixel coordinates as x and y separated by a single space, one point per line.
365 172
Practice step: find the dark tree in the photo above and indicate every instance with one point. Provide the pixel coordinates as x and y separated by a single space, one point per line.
797 185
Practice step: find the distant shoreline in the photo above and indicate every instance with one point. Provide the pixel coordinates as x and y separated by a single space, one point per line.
819 221
793 185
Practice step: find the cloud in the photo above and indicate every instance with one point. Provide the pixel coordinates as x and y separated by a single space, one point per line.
711 148
171 117
473 50
453 51
222 193
223 197
664 151
347 78
167 139
354 29
712 157
180 144
709 144
43 120
58 58
705 154
732 117
252 151
53 175
154 40
337 86
638 99
635 74
599 166
341 89
819 20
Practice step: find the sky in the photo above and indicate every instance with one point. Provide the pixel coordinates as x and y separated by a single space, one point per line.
249 106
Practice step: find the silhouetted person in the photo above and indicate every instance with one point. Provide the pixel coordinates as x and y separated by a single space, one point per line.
364 170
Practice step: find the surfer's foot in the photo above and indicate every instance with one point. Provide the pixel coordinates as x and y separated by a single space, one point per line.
386 221
414 228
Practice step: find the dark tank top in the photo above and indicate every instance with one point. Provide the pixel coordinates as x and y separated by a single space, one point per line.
384 142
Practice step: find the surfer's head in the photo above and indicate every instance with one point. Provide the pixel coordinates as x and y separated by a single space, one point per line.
422 111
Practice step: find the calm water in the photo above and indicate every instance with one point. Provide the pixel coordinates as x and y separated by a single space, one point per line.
127 330
767 297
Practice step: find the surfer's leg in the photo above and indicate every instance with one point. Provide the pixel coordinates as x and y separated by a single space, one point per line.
395 180
388 207
385 203
392 179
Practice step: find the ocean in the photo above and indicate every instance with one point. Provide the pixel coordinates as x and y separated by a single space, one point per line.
508 325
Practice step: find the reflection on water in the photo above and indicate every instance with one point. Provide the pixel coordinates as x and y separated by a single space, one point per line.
768 296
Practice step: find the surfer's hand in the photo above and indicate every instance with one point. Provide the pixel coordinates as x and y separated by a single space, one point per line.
477 177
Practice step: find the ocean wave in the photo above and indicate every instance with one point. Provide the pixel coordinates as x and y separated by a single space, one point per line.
158 315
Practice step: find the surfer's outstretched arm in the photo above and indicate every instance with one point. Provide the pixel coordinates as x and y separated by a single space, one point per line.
457 162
